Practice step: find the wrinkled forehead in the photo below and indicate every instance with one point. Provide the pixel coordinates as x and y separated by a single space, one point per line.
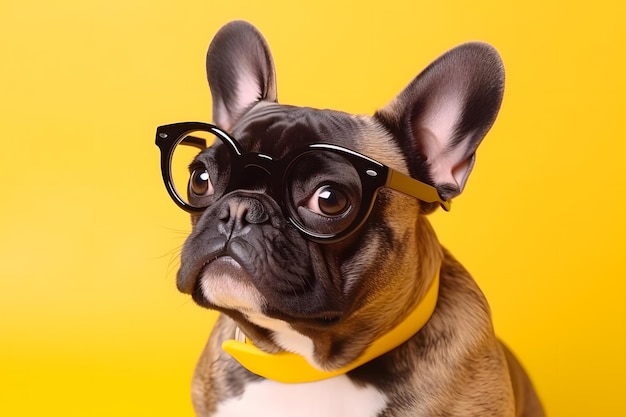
275 130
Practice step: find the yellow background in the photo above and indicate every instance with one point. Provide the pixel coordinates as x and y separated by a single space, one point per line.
90 321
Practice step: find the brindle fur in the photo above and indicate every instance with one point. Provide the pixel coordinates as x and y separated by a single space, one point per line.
454 366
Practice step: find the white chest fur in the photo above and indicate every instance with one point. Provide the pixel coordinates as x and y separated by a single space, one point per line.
334 397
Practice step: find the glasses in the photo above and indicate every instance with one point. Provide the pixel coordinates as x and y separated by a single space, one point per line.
326 191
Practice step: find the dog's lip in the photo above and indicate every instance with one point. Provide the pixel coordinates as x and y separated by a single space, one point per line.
188 277
222 261
222 281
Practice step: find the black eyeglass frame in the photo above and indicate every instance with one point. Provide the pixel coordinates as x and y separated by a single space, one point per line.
373 174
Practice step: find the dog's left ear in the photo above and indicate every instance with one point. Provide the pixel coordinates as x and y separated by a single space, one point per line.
240 71
443 114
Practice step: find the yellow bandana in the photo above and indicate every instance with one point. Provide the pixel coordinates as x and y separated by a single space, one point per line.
289 367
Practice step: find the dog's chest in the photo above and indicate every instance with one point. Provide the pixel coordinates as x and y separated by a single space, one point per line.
334 397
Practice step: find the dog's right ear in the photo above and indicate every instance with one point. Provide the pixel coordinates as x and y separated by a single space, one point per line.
240 71
441 117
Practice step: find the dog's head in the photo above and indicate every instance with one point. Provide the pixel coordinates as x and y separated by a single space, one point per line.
297 232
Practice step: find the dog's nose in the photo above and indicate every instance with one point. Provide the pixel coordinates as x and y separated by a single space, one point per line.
238 213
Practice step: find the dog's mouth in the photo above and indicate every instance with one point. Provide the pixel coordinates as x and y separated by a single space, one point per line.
221 265
223 282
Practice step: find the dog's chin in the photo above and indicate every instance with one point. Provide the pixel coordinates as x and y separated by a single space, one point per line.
224 284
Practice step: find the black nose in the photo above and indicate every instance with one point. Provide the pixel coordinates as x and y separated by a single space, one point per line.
239 212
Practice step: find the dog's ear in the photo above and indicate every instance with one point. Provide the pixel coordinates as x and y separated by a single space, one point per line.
441 117
240 71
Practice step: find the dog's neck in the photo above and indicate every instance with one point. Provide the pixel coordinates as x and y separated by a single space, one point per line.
292 368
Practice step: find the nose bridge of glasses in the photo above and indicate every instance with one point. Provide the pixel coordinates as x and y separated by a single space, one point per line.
256 172
259 161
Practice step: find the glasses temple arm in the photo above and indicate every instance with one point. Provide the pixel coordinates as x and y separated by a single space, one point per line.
410 186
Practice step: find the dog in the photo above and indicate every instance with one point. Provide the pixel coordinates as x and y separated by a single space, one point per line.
310 236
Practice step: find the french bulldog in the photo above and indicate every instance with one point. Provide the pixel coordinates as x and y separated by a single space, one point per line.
310 236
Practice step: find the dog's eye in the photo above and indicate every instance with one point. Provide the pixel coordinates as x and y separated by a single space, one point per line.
200 183
329 201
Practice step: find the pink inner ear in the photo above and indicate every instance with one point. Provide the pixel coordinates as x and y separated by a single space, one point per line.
435 129
220 115
248 92
461 171
448 165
